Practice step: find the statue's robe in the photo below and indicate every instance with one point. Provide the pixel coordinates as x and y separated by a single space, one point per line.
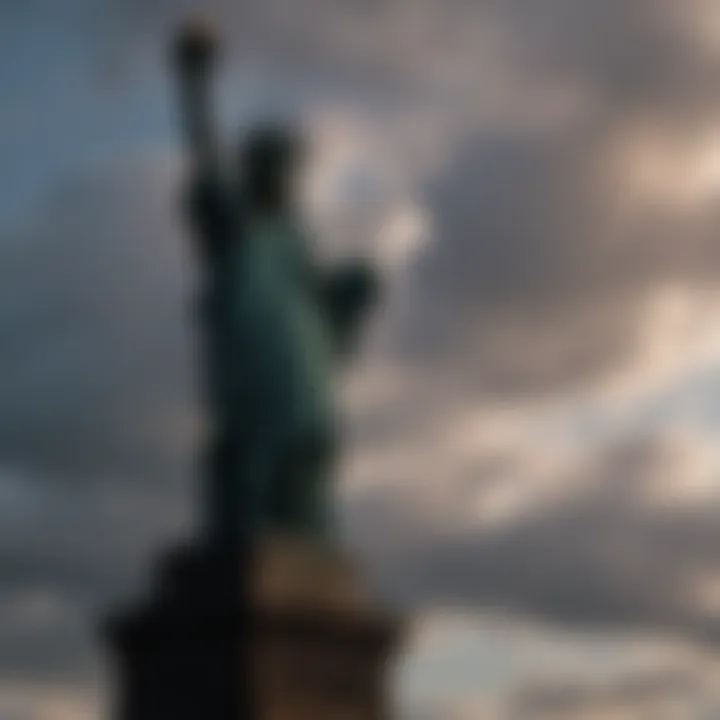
275 327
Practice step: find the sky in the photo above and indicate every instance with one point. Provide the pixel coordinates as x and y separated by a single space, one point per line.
531 468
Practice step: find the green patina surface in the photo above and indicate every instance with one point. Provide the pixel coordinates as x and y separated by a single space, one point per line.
276 326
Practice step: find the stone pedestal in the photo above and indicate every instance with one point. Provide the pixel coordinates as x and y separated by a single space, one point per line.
284 633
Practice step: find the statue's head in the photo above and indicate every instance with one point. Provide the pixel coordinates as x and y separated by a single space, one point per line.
271 156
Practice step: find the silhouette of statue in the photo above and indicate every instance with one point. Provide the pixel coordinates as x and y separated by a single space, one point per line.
274 323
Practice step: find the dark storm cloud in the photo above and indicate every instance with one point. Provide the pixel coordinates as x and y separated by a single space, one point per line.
94 325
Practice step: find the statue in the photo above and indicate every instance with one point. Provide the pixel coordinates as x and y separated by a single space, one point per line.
275 325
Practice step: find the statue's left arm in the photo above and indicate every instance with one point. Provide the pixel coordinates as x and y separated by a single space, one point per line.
348 291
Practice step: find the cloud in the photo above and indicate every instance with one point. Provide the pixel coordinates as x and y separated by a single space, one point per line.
47 702
99 425
94 305
501 668
674 693
622 540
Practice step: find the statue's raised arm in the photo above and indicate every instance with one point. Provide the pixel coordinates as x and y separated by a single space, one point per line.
347 293
208 201
194 56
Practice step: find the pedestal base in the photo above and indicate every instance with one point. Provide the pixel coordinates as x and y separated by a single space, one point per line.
284 634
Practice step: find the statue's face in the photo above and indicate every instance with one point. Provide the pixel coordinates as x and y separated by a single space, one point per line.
270 166
271 185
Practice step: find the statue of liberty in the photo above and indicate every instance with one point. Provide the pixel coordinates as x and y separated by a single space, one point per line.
275 324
